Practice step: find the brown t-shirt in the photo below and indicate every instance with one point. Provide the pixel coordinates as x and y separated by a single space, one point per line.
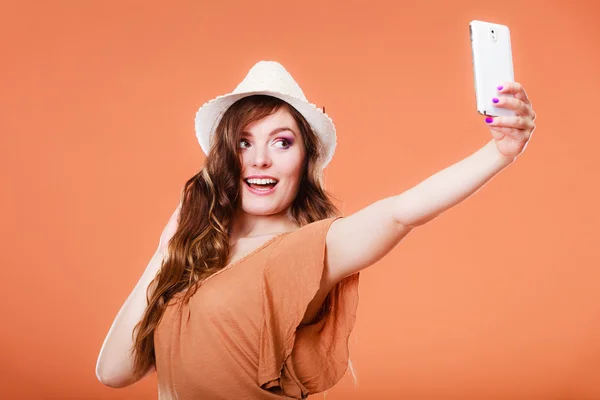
239 335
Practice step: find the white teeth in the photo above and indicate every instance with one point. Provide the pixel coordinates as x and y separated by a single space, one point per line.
261 181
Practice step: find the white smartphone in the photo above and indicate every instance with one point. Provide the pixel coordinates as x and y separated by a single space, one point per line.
492 64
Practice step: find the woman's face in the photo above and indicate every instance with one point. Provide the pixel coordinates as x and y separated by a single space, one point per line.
272 146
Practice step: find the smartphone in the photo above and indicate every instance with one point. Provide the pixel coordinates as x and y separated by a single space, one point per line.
492 64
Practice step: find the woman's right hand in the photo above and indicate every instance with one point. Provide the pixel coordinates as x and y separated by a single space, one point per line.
169 229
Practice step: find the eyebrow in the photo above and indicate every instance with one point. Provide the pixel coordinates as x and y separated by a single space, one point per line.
274 132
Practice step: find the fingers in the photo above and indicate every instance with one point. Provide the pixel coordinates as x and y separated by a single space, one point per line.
520 102
521 108
516 122
514 88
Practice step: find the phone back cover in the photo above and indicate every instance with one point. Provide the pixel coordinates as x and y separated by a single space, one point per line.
492 64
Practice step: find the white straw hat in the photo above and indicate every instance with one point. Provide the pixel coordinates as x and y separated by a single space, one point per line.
269 78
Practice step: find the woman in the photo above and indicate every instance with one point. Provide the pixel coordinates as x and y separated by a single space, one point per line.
254 288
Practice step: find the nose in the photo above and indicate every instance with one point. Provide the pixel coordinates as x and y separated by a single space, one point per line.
261 157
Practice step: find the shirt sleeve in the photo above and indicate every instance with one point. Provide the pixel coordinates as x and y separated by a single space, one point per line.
297 361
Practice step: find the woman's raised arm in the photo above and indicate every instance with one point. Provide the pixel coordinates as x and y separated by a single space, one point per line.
114 367
358 241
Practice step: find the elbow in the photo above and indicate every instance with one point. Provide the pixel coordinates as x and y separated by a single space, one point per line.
409 225
409 210
111 381
415 221
118 379
422 221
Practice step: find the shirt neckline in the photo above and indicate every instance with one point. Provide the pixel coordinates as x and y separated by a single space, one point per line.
244 258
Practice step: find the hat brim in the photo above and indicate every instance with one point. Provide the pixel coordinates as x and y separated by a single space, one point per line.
209 115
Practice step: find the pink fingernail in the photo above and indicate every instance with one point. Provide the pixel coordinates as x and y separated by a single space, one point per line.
489 120
500 87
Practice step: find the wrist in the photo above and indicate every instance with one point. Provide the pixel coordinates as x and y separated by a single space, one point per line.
502 159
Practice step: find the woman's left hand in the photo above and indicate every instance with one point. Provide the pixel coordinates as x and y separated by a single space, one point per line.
512 133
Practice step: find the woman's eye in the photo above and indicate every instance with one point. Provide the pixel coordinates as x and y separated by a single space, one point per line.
286 144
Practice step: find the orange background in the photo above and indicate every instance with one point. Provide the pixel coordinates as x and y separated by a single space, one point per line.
496 298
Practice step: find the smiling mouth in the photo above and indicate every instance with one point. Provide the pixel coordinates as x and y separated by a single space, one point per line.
265 187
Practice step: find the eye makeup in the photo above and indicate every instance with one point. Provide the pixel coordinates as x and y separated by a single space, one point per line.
289 140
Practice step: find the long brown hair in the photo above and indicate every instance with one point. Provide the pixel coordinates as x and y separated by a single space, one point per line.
200 245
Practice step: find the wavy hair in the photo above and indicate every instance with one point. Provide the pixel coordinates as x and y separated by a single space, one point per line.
200 246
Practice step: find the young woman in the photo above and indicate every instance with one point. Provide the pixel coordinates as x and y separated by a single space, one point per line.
254 288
